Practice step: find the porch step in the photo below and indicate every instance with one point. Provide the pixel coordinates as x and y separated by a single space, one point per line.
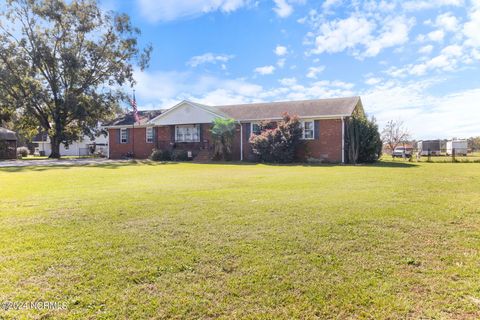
202 156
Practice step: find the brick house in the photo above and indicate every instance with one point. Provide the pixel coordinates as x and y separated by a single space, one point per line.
186 126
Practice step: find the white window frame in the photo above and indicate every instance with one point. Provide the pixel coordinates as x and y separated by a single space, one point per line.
122 131
149 134
184 136
313 129
251 127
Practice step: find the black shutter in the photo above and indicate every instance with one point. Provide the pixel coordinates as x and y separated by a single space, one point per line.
128 135
201 132
172 133
316 129
118 136
247 130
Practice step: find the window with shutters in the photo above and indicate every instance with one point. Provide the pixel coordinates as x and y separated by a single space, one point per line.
149 135
308 130
123 135
187 133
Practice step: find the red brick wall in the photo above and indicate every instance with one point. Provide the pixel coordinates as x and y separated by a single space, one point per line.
328 147
137 144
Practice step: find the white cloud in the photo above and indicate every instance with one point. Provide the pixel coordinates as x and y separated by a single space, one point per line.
168 10
282 8
288 81
373 81
281 51
453 50
394 32
426 49
208 58
447 116
430 4
356 30
436 35
471 29
281 63
163 89
314 71
447 21
265 70
338 35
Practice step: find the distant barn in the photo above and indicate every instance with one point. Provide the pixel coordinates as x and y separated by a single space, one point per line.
8 144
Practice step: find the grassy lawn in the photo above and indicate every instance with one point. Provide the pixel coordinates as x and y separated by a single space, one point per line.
137 241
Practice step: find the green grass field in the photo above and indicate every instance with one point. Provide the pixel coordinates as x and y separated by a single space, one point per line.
147 240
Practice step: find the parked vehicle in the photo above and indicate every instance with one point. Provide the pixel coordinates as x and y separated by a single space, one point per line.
460 147
401 152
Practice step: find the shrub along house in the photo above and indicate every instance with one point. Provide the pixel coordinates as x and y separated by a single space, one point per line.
186 126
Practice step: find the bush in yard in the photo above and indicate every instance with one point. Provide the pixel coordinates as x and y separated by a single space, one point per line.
363 140
278 144
22 151
223 132
161 155
180 155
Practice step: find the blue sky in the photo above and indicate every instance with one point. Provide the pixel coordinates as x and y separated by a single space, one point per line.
414 61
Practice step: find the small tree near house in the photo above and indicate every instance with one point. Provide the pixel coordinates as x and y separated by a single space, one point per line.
278 143
394 134
223 132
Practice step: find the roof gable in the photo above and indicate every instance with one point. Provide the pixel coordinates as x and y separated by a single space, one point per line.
187 112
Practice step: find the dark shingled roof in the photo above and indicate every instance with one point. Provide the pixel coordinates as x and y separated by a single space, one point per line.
305 108
6 134
128 118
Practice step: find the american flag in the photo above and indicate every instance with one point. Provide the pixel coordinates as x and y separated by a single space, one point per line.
134 107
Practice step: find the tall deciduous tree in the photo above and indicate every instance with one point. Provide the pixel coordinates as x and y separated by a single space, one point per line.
474 143
394 134
62 64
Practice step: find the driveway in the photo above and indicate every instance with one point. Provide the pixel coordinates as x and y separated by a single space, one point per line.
53 162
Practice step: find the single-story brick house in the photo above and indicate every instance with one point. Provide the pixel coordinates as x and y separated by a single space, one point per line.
8 144
186 126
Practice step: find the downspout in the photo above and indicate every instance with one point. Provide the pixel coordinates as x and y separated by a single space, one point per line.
108 144
241 141
343 140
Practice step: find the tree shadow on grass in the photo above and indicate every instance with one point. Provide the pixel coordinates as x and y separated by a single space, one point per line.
116 165
66 166
380 164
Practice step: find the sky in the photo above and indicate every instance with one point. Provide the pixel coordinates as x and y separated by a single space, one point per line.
411 61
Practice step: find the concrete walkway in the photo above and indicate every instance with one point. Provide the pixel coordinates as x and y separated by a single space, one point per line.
61 162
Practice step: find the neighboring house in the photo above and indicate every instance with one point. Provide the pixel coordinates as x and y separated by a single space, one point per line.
187 125
8 144
82 147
